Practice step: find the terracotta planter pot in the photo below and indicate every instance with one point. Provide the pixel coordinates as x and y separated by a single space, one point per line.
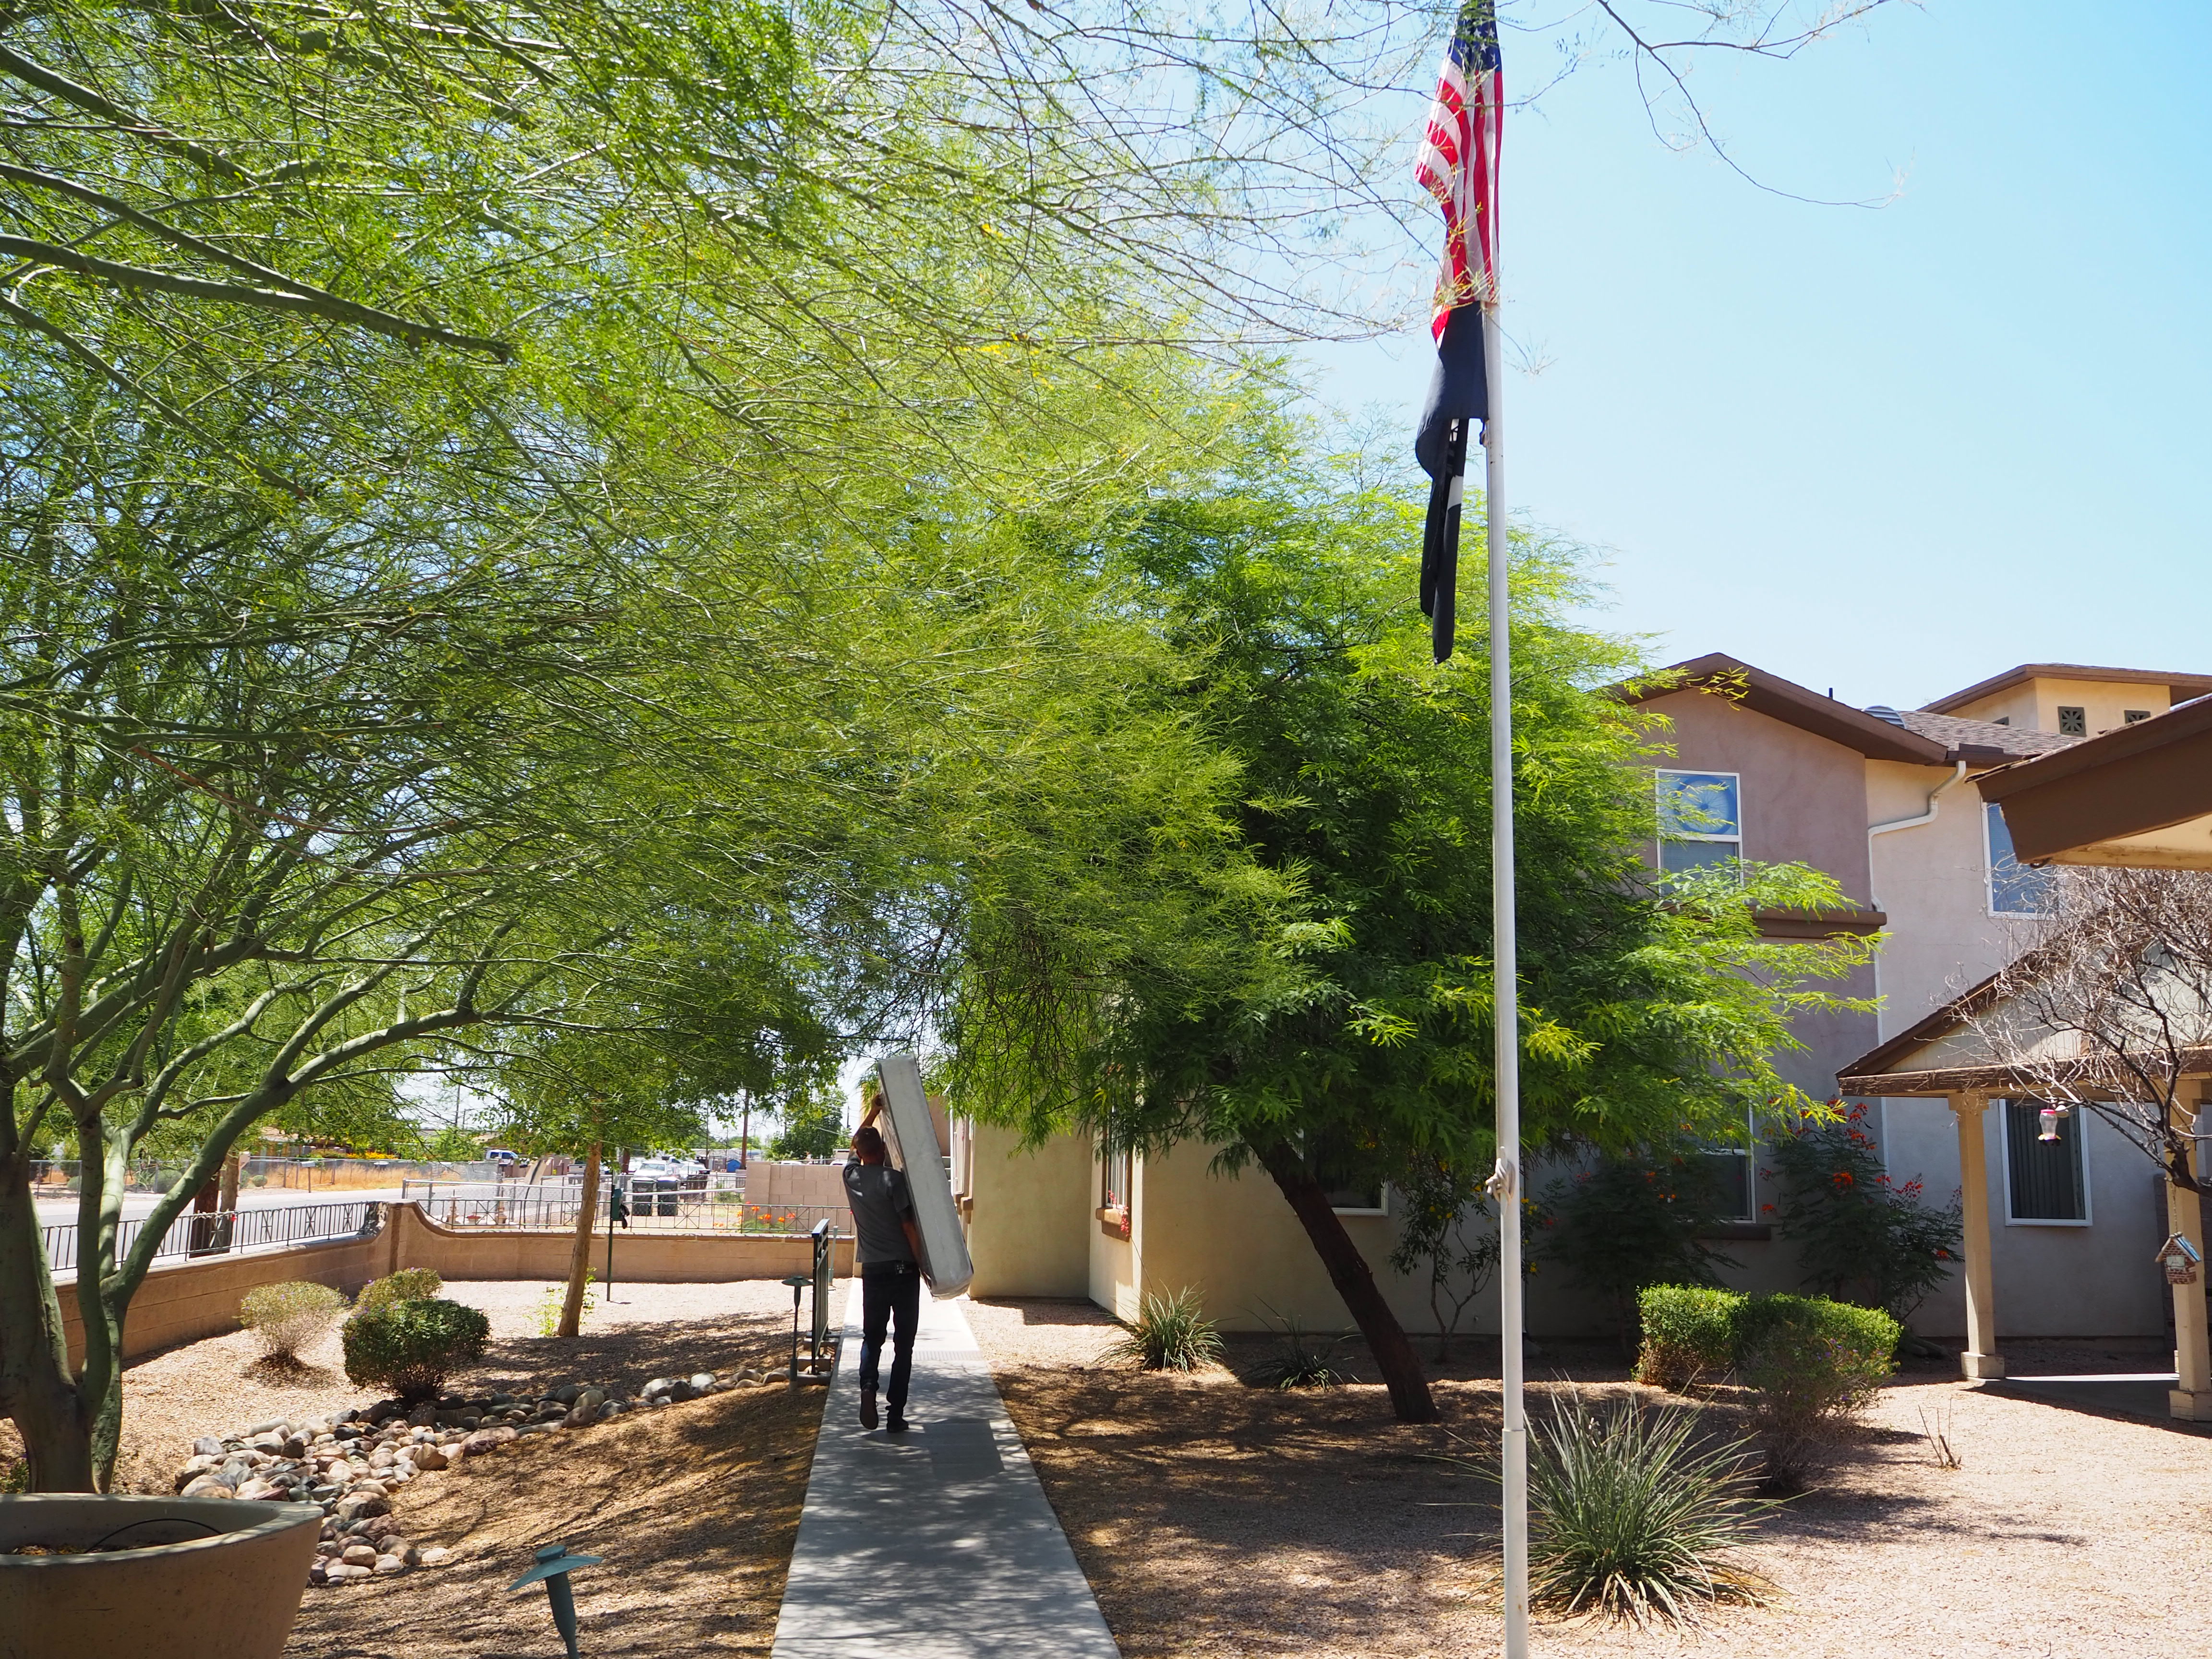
205 1578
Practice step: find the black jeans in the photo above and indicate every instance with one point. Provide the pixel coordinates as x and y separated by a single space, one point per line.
891 1295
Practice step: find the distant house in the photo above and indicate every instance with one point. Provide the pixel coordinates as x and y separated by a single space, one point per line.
1764 769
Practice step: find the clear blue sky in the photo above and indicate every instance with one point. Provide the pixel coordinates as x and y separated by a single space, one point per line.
1889 452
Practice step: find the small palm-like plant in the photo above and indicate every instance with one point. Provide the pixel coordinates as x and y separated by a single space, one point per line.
1168 1334
1631 1509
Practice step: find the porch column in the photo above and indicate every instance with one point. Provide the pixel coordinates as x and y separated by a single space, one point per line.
2191 1398
1981 1361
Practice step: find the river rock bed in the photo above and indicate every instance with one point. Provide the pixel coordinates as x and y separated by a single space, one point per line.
350 1464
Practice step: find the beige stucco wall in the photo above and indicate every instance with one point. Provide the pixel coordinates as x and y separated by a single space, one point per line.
2034 703
1029 1224
1932 880
1115 1270
1237 1241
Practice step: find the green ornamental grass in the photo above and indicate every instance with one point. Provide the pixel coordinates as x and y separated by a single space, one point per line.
1168 1334
1632 1511
1301 1360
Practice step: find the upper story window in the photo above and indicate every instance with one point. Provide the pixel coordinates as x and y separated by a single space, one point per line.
2073 722
2015 888
2129 716
1700 819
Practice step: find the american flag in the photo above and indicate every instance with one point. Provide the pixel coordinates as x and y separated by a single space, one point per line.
1458 166
1458 161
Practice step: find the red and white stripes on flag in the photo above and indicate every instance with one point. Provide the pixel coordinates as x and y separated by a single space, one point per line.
1458 162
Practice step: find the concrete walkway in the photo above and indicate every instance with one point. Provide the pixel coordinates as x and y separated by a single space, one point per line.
938 1544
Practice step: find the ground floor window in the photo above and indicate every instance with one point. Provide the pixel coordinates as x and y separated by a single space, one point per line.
1114 1180
1735 1193
2046 1181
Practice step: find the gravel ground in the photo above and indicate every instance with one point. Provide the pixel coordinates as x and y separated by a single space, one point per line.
1213 1518
643 1332
695 1508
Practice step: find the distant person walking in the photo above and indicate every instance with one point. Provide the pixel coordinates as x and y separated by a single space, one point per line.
889 1250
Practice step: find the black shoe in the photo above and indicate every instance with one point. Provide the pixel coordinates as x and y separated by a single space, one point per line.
867 1409
897 1425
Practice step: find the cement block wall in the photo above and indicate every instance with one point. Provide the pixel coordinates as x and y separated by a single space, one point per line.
196 1299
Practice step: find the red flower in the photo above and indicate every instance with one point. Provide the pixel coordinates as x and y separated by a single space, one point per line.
1842 1179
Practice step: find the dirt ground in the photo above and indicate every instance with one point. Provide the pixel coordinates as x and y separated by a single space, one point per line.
1215 1518
643 1331
694 1507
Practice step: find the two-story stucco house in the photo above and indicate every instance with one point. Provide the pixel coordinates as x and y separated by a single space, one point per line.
1763 770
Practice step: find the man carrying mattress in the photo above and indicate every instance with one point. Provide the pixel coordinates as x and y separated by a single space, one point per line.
889 1251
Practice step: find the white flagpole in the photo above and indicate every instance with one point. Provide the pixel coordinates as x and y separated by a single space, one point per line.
1505 968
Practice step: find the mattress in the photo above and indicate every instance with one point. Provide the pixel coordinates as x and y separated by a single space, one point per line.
911 1135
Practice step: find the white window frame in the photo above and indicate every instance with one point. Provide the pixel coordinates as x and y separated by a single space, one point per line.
1992 814
1749 1153
1659 774
1383 1208
1108 1158
2088 1190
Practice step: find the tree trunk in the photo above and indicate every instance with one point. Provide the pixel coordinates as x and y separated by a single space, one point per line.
227 1203
37 1389
580 1262
203 1203
1355 1282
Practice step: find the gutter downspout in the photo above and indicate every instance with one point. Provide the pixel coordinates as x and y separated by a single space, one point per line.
1958 771
1934 806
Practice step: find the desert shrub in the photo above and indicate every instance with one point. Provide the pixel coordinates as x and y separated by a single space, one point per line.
1860 1237
1811 1366
409 1346
1627 1223
408 1284
285 1318
557 1298
1630 1509
1689 1332
1300 1360
1168 1334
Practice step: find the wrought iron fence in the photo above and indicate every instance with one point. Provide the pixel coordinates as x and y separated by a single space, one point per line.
217 1232
646 1206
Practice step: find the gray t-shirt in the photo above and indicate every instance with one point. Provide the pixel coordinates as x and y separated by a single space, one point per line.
878 1196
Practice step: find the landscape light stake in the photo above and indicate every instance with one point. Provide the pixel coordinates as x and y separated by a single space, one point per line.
554 1564
797 1282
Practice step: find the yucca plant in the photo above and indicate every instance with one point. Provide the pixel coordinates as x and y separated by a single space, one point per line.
1631 1509
1168 1334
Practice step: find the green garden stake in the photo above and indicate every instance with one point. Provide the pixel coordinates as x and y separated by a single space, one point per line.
554 1564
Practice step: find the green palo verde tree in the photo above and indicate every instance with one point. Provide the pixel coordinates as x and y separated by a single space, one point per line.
1302 981
691 1012
582 1092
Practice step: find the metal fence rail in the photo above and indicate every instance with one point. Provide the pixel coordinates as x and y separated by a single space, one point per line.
547 1207
218 1232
